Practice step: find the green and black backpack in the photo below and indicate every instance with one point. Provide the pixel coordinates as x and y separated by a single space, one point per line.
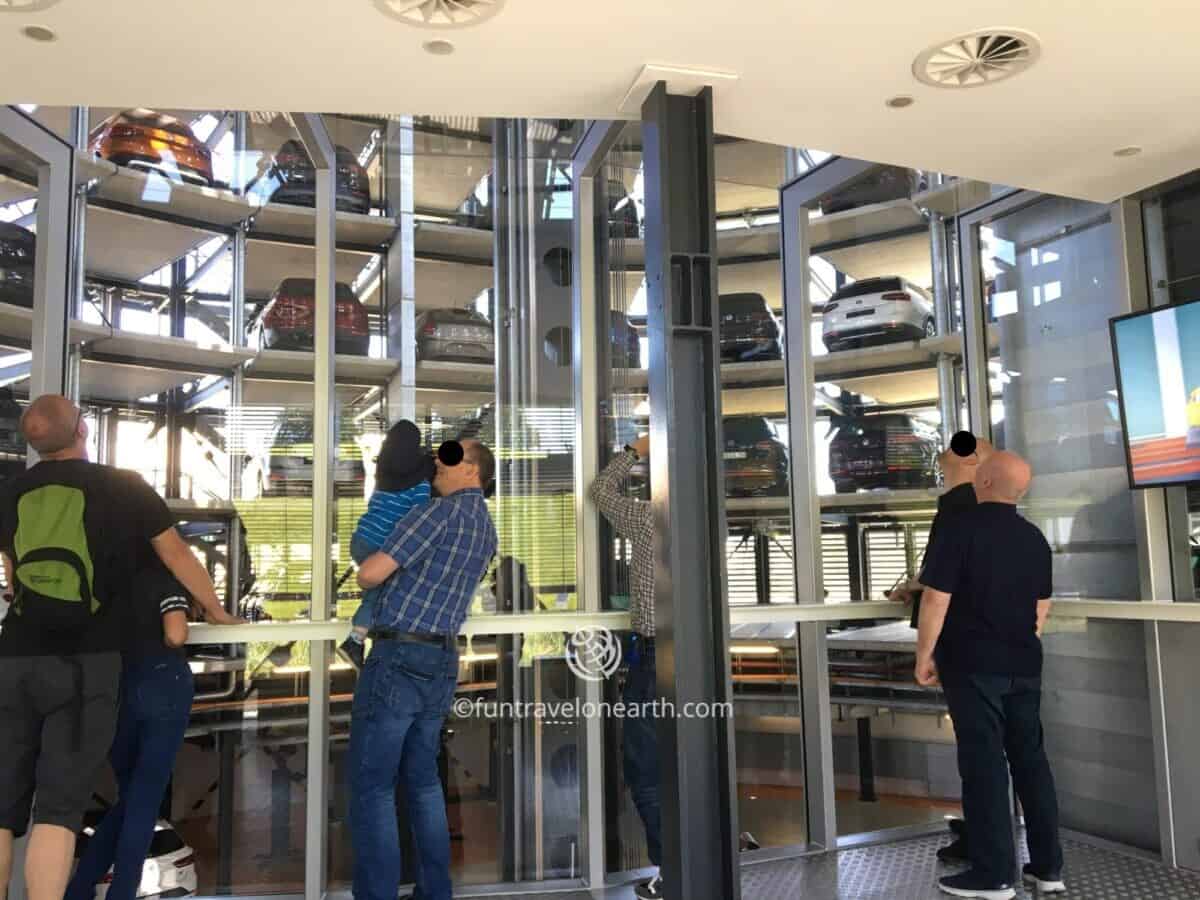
54 581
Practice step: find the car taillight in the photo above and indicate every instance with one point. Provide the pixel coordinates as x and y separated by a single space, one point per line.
899 296
123 131
291 309
430 329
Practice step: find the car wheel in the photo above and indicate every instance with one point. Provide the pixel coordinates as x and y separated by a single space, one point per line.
930 328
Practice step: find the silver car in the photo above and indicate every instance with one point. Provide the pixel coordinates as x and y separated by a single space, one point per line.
877 311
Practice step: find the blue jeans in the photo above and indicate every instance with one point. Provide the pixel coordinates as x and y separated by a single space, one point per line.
156 702
364 616
997 720
640 743
400 704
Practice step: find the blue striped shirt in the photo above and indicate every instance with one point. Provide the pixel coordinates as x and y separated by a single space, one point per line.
443 549
385 509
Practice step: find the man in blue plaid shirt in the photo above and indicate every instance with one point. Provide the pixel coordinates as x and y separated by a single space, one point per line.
429 569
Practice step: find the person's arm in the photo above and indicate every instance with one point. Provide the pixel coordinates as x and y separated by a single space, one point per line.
174 610
934 606
413 539
1043 612
177 556
941 575
607 492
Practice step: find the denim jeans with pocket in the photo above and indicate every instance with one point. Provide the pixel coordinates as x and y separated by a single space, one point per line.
156 703
400 704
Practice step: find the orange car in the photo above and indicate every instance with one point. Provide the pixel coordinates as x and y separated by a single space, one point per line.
144 139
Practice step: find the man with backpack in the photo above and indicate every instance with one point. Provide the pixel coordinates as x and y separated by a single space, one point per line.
69 532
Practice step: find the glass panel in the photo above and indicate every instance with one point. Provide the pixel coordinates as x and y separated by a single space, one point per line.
237 798
1053 282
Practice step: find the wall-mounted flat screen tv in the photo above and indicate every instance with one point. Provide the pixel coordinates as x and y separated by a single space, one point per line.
1157 357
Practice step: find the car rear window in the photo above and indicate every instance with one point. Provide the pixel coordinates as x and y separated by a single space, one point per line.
867 286
151 119
747 429
742 303
460 315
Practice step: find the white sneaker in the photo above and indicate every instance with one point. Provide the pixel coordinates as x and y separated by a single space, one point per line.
649 890
1051 886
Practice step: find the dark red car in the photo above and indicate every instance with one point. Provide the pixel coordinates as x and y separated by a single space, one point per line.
289 320
144 139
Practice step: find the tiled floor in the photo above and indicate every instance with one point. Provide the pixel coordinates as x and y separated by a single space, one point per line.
908 870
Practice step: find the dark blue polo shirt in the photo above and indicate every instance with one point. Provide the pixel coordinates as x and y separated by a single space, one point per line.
996 566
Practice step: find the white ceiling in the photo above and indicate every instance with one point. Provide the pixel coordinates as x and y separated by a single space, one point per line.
815 74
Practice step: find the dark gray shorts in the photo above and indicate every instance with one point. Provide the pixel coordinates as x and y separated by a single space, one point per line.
54 741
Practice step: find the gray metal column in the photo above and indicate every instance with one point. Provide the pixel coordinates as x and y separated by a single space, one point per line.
399 301
589 311
699 810
975 344
79 141
321 152
816 712
52 263
943 299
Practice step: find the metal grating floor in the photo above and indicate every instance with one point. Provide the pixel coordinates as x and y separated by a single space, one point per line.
908 870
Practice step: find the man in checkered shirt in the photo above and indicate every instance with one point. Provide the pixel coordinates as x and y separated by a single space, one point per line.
429 569
634 520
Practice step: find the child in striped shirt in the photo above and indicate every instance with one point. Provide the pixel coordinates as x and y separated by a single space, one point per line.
402 483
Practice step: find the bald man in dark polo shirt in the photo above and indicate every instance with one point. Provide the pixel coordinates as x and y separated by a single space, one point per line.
988 585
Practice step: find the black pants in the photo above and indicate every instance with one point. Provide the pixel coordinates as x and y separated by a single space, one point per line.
997 718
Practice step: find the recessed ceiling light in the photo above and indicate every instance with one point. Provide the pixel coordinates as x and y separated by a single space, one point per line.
39 33
977 58
439 13
901 101
1127 151
438 48
25 6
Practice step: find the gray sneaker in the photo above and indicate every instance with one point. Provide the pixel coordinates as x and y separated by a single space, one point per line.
1044 883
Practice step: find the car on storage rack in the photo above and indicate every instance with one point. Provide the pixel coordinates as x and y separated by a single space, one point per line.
291 178
749 330
891 450
289 319
17 248
286 466
170 866
880 185
876 311
460 335
624 214
150 141
756 460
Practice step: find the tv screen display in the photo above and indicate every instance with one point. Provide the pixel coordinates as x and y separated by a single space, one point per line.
1157 356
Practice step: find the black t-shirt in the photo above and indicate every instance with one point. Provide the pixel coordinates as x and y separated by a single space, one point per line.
152 593
995 566
122 513
950 504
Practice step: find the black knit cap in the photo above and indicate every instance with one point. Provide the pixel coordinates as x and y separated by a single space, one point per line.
963 443
403 461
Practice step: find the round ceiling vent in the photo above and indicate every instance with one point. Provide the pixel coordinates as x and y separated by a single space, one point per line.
25 6
977 59
439 13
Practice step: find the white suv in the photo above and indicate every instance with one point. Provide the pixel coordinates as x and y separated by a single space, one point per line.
877 311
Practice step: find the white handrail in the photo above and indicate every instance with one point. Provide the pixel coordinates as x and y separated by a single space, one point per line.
536 623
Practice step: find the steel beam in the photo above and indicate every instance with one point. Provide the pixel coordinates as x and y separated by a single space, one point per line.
590 312
223 127
321 151
400 297
943 299
52 263
696 756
